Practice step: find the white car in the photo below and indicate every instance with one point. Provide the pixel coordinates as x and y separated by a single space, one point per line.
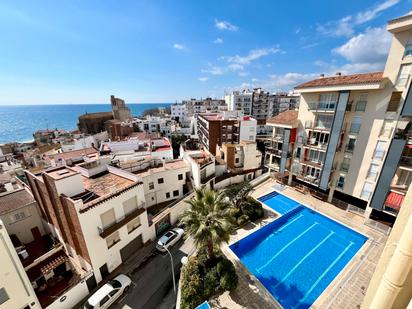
169 239
108 293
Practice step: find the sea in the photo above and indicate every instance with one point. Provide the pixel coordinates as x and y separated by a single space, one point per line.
19 122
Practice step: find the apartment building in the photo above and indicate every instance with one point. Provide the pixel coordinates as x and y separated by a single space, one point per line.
16 290
226 127
350 127
240 101
280 145
96 211
178 111
243 158
163 181
202 166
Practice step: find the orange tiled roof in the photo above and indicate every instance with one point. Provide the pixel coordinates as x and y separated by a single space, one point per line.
287 118
354 79
15 199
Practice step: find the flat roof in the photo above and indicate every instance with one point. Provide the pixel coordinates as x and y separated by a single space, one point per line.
106 184
167 166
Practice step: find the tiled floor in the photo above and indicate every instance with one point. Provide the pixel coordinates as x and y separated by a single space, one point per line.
346 291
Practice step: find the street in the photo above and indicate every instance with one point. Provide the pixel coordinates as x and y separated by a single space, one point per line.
153 281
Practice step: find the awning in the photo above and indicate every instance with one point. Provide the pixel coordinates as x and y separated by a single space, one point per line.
394 200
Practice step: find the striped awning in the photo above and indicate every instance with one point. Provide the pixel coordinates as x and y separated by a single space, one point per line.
394 200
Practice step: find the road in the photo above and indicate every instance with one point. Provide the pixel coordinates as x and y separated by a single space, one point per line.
153 281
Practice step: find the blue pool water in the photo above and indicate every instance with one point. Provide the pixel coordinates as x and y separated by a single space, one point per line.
298 255
278 202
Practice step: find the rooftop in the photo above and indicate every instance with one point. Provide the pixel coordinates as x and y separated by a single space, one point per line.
106 184
288 118
74 154
354 79
166 166
14 199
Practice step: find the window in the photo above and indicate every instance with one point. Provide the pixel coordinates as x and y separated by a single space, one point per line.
112 239
387 128
356 125
394 101
341 182
324 121
18 216
350 147
251 138
403 76
327 100
104 300
113 292
108 218
345 164
130 205
404 179
167 194
316 156
408 48
160 180
151 185
361 103
3 296
176 193
379 151
180 177
237 160
366 191
132 225
373 172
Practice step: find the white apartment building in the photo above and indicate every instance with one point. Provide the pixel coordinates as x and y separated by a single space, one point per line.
16 290
99 216
163 181
178 111
242 158
240 101
83 142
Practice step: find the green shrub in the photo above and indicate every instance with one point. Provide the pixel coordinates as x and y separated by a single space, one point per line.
229 281
192 285
224 266
234 212
253 209
242 220
211 282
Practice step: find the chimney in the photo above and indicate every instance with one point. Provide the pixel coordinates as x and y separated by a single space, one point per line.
338 73
322 75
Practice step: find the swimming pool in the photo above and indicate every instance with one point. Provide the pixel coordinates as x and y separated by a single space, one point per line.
278 202
298 255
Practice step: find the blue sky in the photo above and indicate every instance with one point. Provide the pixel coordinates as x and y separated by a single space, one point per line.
163 51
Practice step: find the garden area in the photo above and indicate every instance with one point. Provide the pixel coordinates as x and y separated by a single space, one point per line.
210 219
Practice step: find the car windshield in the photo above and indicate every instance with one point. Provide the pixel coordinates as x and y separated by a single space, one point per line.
115 284
88 306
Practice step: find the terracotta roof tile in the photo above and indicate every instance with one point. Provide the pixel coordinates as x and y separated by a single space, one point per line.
354 79
286 118
14 199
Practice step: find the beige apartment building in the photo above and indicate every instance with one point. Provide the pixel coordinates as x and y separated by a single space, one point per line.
351 133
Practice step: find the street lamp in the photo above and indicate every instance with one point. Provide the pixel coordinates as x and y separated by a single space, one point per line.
173 270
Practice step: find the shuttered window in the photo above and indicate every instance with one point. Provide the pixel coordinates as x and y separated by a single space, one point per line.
394 101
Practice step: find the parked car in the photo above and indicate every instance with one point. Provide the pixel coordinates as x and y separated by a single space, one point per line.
169 239
108 293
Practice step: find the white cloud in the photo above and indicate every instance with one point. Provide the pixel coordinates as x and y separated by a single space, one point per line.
225 25
243 74
344 26
178 46
298 30
214 70
203 79
218 41
252 55
288 80
363 17
236 67
369 47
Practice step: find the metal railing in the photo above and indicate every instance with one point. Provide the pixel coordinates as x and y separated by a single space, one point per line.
322 106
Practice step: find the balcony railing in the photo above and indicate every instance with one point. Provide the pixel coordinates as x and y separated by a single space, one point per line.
406 160
322 106
204 180
344 167
107 230
316 144
308 178
276 152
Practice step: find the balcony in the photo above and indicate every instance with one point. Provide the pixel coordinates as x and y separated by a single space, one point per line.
106 231
406 161
313 143
322 106
308 178
349 148
204 180
344 167
273 151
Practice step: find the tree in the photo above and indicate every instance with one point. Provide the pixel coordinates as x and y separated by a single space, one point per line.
207 220
238 193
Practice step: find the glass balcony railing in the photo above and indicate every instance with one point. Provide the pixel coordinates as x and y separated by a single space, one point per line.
322 106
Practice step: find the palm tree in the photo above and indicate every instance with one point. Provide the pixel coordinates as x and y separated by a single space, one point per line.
207 220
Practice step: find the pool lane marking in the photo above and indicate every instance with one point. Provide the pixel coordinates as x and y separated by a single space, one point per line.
304 258
285 247
325 272
283 227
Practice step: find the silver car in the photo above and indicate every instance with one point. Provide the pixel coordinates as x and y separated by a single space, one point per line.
169 239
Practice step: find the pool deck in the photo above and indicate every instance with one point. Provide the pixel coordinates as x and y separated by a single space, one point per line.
347 290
